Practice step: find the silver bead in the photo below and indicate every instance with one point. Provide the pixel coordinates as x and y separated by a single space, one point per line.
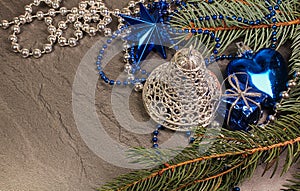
130 77
78 34
285 95
87 17
291 83
36 2
63 11
16 20
55 5
92 31
104 11
82 5
131 4
62 25
15 47
107 32
107 20
37 53
51 39
71 17
74 10
126 55
96 17
5 24
13 38
81 11
117 11
120 20
51 29
28 18
62 41
47 48
58 32
72 42
101 26
126 11
91 2
22 19
138 87
52 12
77 25
16 29
86 27
93 10
40 15
28 8
48 1
277 106
120 26
271 118
127 68
48 20
25 52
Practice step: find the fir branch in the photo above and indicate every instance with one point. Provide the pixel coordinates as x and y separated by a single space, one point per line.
229 29
294 184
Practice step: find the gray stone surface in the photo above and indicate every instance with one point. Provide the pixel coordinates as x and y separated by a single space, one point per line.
41 148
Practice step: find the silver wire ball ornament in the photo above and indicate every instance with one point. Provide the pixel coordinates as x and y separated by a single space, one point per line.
183 93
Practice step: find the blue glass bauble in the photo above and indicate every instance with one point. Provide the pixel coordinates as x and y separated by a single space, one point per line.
267 72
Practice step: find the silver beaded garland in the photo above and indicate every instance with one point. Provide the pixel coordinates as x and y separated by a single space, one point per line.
90 11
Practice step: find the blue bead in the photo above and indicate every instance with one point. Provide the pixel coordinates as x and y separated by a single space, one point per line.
221 17
98 62
251 22
236 189
216 51
214 17
99 57
245 21
274 27
125 83
206 31
99 68
212 35
188 133
274 33
270 8
111 82
118 82
155 132
159 126
104 46
155 146
144 71
194 31
192 140
108 41
268 16
273 13
210 1
274 20
101 51
276 7
218 45
176 47
154 139
239 19
257 21
273 46
200 18
207 18
200 31
186 30
234 17
217 39
274 39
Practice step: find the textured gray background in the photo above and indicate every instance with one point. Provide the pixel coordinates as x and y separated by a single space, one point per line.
40 147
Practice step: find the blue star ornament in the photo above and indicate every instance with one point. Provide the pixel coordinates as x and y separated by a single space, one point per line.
148 32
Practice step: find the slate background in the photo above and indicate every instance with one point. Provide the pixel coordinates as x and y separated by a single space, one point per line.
40 146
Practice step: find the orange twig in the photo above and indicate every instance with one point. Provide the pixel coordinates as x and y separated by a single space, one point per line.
244 153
